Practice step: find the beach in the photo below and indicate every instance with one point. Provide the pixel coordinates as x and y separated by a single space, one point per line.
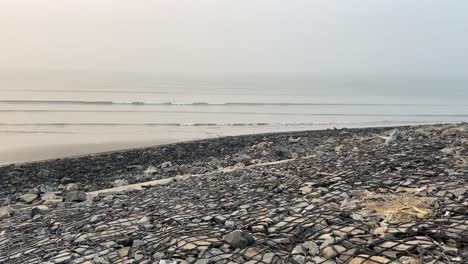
364 195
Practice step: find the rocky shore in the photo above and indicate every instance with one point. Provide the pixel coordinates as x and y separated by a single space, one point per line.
374 195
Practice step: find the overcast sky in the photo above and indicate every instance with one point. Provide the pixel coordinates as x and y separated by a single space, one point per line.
423 37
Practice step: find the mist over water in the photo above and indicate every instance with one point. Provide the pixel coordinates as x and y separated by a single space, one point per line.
79 108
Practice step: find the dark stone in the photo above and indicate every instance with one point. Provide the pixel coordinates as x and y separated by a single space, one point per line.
239 239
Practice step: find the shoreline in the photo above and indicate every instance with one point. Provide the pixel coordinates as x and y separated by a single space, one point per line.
45 153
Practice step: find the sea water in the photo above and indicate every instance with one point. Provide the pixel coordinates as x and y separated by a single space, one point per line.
42 109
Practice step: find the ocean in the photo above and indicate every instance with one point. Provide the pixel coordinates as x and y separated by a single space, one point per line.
79 109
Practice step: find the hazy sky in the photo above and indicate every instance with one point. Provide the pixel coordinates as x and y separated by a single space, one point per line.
321 37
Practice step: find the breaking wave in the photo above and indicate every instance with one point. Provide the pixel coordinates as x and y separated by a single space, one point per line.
72 102
227 124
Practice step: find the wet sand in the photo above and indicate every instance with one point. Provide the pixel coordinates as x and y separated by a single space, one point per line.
38 153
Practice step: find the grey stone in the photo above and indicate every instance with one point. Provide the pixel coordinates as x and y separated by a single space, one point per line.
145 220
46 187
230 224
298 259
158 256
219 219
73 187
5 212
62 259
298 250
258 229
97 218
29 197
311 248
118 183
75 196
39 210
138 255
109 244
100 260
166 165
333 251
280 151
244 159
138 243
239 239
7 201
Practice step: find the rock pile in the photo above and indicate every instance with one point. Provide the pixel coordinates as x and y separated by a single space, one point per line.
367 202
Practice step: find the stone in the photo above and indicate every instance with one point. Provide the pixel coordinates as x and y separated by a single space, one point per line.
348 205
101 228
167 261
453 131
119 183
158 256
166 165
298 250
97 218
322 260
244 159
109 244
230 224
46 187
73 187
123 252
62 259
239 239
219 219
294 140
39 210
280 151
339 148
409 260
450 250
7 201
48 196
258 229
311 248
145 220
298 259
52 201
138 243
29 197
5 213
365 259
151 170
305 190
333 251
100 260
76 196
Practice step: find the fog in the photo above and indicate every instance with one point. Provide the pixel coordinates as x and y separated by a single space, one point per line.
362 37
